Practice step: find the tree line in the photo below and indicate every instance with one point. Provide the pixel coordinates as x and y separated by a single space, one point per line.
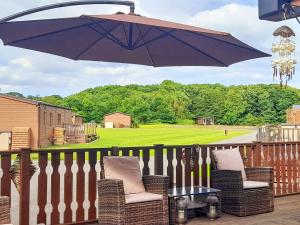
171 102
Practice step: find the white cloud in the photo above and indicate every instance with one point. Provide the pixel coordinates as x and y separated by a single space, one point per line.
3 70
23 62
240 20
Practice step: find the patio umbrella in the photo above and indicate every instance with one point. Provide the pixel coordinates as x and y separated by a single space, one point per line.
127 38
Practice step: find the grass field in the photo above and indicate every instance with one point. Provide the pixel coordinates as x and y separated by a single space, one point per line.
148 135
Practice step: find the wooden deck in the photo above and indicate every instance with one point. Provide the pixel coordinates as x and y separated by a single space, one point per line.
287 212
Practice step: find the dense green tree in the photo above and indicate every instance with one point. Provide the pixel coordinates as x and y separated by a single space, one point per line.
16 94
170 102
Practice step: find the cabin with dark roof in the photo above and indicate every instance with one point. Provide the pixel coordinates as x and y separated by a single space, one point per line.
31 123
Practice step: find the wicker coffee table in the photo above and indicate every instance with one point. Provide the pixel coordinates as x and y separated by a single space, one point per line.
199 195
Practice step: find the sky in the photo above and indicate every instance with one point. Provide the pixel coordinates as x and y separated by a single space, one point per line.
33 73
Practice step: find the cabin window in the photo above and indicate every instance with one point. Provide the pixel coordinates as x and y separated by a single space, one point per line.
45 118
59 119
51 119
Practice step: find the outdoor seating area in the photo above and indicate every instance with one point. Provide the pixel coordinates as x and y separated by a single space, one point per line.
287 213
179 171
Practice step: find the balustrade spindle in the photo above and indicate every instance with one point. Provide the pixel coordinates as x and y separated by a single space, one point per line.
294 166
170 169
125 152
42 188
136 152
68 187
283 168
158 159
24 187
188 171
204 166
92 185
257 155
146 159
196 150
55 187
289 168
249 155
277 170
80 186
179 167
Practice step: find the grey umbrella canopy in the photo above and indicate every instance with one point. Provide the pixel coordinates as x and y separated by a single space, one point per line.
128 38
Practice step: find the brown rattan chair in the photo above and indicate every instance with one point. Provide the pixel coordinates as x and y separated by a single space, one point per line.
113 209
238 200
4 210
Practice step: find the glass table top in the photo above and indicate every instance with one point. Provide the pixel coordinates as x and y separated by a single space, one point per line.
187 191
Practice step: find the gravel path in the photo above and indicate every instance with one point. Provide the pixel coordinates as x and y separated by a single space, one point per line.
247 138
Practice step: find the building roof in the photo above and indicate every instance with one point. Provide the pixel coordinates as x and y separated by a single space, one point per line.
30 101
116 113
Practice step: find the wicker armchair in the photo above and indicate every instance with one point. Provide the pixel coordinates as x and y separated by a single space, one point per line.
4 210
113 209
240 201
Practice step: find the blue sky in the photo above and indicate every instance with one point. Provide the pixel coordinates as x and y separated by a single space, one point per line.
41 74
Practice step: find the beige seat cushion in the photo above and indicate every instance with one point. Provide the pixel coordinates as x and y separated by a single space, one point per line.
229 160
254 184
127 169
142 197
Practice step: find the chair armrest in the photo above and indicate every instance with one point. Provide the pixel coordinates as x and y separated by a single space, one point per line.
4 210
156 184
111 201
227 180
263 174
159 185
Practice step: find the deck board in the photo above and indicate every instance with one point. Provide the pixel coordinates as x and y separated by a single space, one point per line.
287 212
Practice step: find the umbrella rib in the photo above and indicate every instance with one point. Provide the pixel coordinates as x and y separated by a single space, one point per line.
95 42
125 33
227 42
130 36
165 33
148 51
111 37
50 33
197 50
141 37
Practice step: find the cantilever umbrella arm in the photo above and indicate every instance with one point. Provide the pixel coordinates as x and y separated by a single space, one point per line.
66 4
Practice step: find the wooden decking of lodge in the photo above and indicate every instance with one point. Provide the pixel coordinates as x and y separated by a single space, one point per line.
69 177
287 212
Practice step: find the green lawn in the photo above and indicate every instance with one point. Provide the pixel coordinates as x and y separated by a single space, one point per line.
148 135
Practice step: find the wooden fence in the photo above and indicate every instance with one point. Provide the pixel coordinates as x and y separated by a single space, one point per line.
279 134
90 128
65 184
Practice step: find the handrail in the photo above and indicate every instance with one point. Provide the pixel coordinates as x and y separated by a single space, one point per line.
66 4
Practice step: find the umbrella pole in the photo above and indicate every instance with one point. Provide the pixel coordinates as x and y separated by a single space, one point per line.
72 3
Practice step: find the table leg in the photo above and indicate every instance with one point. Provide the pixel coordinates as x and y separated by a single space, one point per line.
172 211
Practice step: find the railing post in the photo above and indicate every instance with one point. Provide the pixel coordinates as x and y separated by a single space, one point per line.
24 187
115 151
257 154
158 159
